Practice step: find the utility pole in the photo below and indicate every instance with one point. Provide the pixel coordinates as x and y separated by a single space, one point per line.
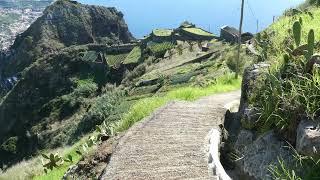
257 25
239 39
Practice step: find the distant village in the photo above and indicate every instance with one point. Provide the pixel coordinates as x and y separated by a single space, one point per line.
14 22
16 17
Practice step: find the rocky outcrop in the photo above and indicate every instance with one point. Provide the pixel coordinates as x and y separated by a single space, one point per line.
250 78
244 139
46 106
308 138
254 153
257 156
252 75
249 118
63 24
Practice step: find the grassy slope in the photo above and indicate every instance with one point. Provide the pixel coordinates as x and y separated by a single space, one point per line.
144 107
134 56
280 33
213 76
282 26
138 111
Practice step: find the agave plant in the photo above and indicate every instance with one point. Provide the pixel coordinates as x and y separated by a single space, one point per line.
104 131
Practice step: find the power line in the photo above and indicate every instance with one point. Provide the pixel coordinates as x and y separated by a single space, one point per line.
251 10
254 15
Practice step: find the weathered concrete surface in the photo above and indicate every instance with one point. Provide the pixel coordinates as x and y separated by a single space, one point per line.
172 143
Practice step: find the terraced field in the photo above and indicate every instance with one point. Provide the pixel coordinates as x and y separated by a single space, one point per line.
162 32
198 31
133 57
159 49
116 60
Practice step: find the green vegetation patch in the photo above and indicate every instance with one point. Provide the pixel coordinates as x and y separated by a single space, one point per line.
291 88
198 31
116 60
162 32
134 56
90 56
289 92
159 49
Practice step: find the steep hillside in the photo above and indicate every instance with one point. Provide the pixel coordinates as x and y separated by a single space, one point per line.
77 70
55 80
63 24
280 101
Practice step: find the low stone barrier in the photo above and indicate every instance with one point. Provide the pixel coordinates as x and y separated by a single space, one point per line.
215 166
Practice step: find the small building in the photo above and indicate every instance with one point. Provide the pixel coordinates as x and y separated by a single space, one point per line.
229 34
186 32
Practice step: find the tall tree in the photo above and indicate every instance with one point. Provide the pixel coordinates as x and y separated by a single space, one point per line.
239 39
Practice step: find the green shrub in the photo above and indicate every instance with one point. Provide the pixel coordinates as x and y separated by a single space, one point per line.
159 49
85 88
232 60
100 111
10 145
289 92
135 73
314 2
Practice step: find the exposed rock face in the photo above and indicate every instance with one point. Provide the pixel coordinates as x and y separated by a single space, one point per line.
308 138
260 154
249 118
256 154
63 24
250 77
245 138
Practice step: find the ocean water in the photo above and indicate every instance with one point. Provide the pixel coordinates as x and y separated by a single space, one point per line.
144 15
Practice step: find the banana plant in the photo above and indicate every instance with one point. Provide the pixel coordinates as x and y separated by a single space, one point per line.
92 141
54 161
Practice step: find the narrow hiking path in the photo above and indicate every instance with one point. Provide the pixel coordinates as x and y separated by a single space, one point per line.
171 144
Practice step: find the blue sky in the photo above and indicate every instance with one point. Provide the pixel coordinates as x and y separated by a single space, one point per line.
144 15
